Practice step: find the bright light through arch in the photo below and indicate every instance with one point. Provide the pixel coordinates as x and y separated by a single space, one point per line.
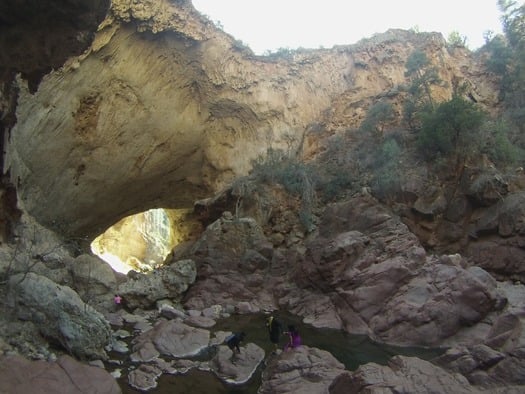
139 242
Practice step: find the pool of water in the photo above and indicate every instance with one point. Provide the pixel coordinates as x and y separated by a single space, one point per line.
351 350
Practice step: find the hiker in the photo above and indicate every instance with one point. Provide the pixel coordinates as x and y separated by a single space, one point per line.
234 340
274 330
294 338
118 301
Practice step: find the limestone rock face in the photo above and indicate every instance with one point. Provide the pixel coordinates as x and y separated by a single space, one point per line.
163 108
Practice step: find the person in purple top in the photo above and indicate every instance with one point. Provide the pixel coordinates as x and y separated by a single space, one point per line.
294 338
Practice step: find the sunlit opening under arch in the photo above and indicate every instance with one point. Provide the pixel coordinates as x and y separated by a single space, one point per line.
139 242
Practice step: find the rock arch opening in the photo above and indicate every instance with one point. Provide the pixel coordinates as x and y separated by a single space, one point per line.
142 242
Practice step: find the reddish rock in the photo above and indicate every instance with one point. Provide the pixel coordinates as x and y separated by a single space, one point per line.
65 376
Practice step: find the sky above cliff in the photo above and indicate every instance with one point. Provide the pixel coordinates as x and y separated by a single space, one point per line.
272 24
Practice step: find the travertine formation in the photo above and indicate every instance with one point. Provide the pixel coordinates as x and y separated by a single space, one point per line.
163 108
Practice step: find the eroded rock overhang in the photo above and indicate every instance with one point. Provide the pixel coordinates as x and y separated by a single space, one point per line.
156 115
163 109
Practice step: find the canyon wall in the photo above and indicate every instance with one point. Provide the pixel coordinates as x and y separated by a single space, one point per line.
163 108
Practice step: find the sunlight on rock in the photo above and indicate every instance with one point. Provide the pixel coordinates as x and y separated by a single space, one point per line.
139 242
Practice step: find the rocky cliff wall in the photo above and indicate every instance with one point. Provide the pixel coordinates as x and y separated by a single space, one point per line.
164 108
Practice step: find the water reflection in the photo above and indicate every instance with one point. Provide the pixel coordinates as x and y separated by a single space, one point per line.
351 350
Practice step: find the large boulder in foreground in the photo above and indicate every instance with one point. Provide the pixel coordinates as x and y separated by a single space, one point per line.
66 375
237 368
301 370
59 314
382 282
170 338
402 375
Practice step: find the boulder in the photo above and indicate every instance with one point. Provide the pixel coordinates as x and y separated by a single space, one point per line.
435 305
144 377
498 238
301 370
232 243
401 375
170 338
92 276
237 368
144 290
65 375
487 188
60 314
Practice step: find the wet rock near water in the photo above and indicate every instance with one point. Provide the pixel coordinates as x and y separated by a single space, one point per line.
435 305
402 374
236 368
66 375
301 370
413 375
367 273
170 338
144 377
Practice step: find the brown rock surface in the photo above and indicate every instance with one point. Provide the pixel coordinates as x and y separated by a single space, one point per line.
403 374
66 375
301 370
170 338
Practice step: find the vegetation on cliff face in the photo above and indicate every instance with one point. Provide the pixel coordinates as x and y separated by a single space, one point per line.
412 147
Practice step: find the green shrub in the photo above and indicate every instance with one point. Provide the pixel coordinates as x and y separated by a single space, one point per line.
296 177
377 116
497 145
386 181
450 129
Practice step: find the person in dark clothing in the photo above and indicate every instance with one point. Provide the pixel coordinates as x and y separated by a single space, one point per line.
274 330
234 340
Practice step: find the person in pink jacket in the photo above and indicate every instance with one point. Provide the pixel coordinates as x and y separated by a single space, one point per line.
294 339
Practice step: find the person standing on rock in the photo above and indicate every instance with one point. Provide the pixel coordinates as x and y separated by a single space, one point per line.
274 330
234 340
294 339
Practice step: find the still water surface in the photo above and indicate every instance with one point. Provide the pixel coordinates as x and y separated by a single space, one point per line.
351 350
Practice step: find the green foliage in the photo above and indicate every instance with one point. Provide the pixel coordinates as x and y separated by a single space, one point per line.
513 23
281 53
390 151
456 39
497 145
386 179
422 76
296 178
376 118
501 55
337 170
387 182
508 61
450 128
279 167
335 184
